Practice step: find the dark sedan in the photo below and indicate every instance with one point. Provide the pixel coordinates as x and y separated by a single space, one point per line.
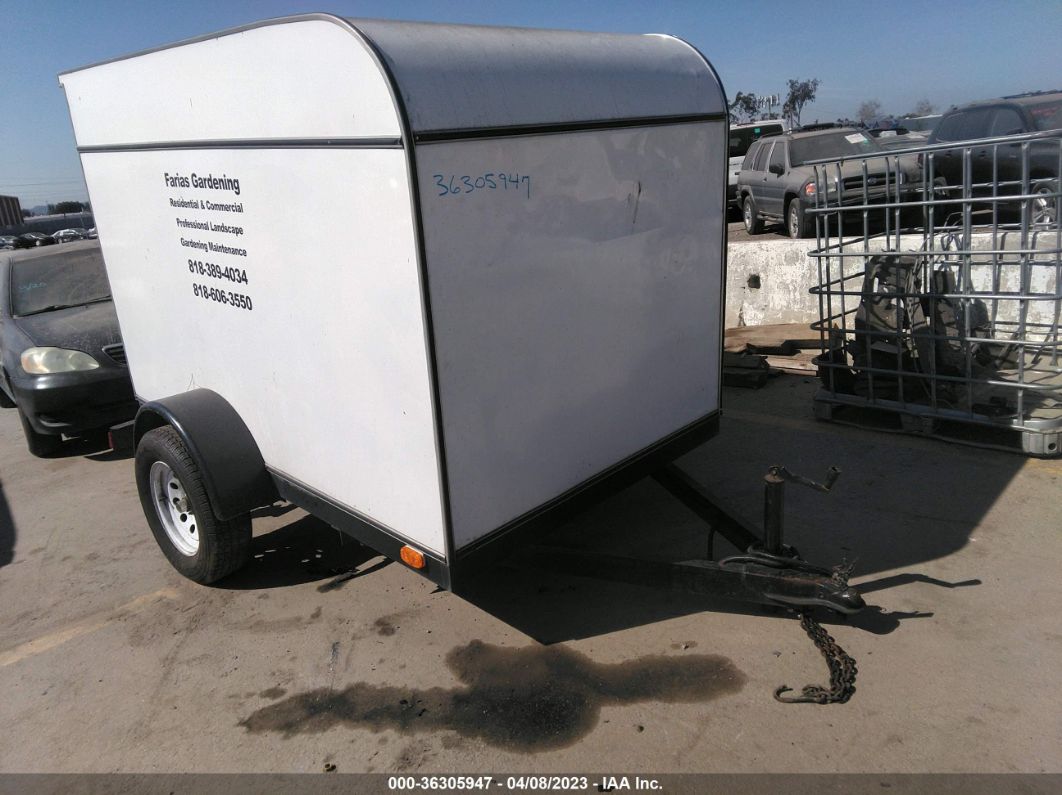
62 363
33 240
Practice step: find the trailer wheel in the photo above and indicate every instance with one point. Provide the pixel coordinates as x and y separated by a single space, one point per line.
198 544
39 444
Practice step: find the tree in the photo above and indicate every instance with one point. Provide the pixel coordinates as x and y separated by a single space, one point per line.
744 107
800 93
922 108
868 111
62 208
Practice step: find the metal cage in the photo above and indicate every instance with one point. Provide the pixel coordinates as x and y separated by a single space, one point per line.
940 290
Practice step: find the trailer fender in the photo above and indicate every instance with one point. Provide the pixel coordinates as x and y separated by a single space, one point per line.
233 470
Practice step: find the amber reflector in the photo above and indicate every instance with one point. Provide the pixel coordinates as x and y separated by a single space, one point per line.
413 558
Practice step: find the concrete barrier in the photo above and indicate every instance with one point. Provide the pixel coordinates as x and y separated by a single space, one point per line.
769 281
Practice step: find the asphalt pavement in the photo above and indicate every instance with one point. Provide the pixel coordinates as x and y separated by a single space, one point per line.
321 653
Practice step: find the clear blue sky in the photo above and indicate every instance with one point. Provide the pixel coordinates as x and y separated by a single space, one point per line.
895 51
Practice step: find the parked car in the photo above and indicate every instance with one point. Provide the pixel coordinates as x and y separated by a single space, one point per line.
66 235
33 240
62 362
774 184
90 234
742 136
999 167
7 242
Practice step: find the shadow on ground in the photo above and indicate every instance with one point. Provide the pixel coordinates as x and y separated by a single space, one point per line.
900 502
305 550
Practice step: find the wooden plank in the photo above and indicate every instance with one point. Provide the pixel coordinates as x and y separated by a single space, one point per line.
781 338
801 363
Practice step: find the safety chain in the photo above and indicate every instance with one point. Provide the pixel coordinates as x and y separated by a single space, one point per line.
842 670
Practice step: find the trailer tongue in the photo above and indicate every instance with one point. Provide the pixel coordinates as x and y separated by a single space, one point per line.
769 572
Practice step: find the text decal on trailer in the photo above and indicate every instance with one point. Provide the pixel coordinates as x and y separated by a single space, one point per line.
210 223
209 182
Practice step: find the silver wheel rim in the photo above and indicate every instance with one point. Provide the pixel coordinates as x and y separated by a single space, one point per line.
748 216
794 223
174 509
1043 207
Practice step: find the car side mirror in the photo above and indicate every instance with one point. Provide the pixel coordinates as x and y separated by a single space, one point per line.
776 168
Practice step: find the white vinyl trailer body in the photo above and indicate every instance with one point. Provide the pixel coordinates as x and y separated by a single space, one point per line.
436 284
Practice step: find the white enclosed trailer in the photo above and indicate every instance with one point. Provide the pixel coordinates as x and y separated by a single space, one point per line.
436 284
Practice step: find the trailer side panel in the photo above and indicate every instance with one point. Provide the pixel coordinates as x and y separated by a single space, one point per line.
575 287
313 329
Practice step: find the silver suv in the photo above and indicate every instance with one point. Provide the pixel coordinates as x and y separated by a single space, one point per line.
775 185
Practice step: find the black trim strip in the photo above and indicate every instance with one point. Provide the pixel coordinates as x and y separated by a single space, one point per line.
360 527
252 143
438 136
496 545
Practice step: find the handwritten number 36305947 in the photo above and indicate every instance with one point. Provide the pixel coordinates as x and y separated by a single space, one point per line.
453 184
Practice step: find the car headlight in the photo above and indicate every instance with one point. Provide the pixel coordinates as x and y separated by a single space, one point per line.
41 361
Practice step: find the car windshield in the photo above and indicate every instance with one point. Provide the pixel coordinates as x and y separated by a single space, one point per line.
840 144
54 281
1048 116
923 124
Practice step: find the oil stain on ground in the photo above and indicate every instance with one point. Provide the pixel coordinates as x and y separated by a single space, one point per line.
529 699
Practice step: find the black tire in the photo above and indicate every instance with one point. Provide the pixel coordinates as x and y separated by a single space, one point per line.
223 547
41 445
795 222
5 401
753 222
